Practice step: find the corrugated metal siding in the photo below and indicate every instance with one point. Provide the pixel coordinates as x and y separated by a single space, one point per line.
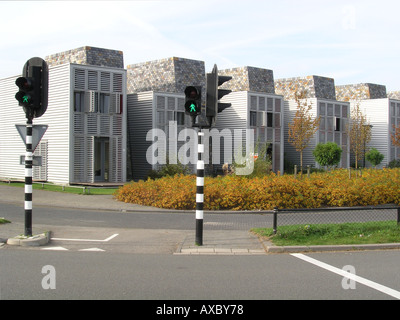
155 110
140 121
57 117
325 133
377 111
56 136
234 117
11 144
329 111
238 117
291 155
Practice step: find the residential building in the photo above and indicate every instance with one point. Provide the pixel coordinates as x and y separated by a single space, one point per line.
255 106
333 114
156 100
86 116
382 111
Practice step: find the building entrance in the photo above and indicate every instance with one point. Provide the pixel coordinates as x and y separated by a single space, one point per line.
101 159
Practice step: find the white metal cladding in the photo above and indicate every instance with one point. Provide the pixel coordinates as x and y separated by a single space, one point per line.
67 145
57 117
382 114
40 172
103 115
334 121
140 121
293 156
261 112
154 110
11 144
329 111
57 134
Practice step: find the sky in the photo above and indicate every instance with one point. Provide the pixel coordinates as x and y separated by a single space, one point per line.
351 41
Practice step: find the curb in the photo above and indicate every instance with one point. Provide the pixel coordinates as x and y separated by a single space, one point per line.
33 241
324 248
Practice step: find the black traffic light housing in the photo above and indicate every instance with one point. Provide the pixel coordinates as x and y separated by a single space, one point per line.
193 101
33 88
213 106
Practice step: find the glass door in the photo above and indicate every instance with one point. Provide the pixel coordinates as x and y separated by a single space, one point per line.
101 159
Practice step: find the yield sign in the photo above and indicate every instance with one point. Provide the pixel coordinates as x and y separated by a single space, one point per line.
38 132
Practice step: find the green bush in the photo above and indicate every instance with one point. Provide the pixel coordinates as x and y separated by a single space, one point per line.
374 157
328 154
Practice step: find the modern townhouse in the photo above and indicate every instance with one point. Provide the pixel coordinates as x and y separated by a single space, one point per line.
156 112
334 116
255 106
382 111
86 116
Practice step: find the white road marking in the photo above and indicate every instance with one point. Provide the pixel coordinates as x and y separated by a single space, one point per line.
92 249
366 282
55 248
86 240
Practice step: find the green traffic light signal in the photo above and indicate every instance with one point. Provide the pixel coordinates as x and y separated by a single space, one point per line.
193 100
192 108
33 88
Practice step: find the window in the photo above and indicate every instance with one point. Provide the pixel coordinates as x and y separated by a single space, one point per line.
337 124
104 103
253 118
79 101
322 109
180 118
269 119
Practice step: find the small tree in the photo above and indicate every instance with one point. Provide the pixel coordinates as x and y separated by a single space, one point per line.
374 157
359 132
303 126
396 136
328 154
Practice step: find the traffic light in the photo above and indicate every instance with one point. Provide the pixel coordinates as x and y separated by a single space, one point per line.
213 106
33 88
193 101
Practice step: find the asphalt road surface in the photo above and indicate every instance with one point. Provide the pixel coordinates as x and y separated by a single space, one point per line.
140 263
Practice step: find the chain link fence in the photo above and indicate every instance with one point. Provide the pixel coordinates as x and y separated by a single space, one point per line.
383 215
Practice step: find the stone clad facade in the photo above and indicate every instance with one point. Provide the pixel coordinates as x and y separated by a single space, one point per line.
166 75
394 95
249 79
360 91
88 56
315 86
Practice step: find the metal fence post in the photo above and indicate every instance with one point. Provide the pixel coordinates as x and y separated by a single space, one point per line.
398 216
275 223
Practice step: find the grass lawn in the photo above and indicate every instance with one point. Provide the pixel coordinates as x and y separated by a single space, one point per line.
333 234
57 188
2 220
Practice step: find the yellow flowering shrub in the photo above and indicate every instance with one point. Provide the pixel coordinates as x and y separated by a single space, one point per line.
332 189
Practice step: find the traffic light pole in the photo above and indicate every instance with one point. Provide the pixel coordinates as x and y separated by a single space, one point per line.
200 189
28 178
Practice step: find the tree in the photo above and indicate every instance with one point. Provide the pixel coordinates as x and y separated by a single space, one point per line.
396 136
303 126
359 131
328 154
374 156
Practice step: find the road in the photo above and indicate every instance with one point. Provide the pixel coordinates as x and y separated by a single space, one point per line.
139 263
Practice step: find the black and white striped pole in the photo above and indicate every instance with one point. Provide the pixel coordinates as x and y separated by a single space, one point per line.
33 97
28 178
200 190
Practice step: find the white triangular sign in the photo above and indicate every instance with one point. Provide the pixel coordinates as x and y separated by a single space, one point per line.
38 132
